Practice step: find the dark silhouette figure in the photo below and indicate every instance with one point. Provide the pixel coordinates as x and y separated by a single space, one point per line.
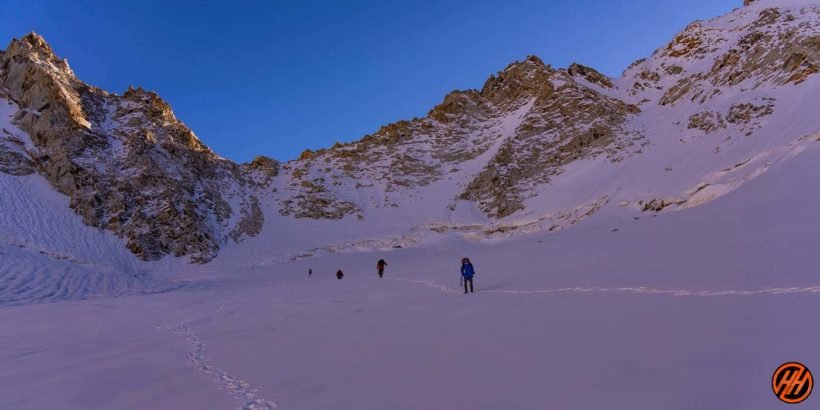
310 272
339 274
380 267
467 272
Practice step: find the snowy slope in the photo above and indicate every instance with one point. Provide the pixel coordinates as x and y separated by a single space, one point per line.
687 153
48 254
660 268
682 128
682 310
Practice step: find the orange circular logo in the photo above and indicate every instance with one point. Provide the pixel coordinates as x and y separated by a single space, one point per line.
792 382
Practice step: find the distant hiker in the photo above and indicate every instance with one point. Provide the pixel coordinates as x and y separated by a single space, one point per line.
310 272
467 273
380 267
339 274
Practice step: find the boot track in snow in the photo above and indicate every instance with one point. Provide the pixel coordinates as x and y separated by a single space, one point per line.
198 360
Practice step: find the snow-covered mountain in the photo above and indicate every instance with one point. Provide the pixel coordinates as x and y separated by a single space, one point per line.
536 148
543 146
127 164
639 242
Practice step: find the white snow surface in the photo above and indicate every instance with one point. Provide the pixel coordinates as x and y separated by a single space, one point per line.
678 311
583 301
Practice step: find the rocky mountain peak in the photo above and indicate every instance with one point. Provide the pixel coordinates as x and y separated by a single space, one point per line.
268 166
42 83
589 74
458 103
529 123
31 43
34 47
126 163
767 42
519 80
158 109
130 166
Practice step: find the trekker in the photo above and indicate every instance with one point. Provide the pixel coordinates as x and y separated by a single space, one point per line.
467 273
310 272
339 274
380 267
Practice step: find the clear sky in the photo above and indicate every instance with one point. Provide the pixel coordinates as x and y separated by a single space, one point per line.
276 77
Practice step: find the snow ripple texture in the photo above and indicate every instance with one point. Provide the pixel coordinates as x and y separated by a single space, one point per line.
47 254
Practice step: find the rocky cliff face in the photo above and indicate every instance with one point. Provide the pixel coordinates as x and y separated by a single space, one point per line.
774 47
130 166
125 161
530 122
524 124
562 121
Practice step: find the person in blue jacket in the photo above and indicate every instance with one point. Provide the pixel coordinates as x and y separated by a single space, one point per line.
467 273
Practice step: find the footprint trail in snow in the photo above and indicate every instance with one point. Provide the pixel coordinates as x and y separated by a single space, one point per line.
198 360
633 290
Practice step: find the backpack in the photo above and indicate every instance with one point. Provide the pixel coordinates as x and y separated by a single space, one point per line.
467 271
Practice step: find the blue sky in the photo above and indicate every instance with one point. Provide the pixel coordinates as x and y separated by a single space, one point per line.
276 77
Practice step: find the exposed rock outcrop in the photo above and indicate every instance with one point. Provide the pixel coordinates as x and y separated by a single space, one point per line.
126 162
129 166
528 120
774 48
707 121
563 124
590 74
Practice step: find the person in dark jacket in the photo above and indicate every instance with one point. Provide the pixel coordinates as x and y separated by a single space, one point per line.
310 272
467 272
380 267
339 274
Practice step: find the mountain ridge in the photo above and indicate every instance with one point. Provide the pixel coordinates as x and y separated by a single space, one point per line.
499 159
